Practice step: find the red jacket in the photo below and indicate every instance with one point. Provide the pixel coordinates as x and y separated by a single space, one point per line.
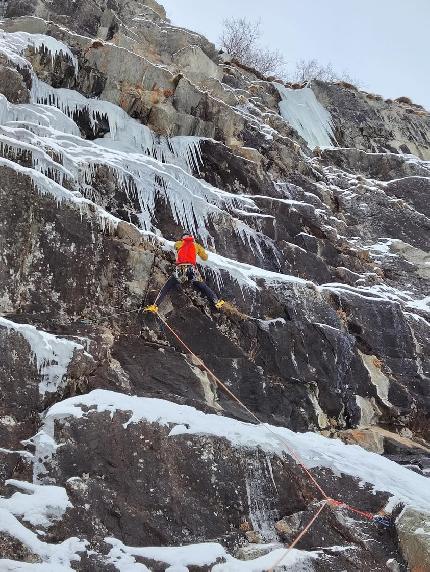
188 250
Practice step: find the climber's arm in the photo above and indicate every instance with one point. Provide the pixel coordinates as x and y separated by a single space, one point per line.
201 252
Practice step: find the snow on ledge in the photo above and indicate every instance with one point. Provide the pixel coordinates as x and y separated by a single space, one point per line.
52 354
204 554
39 505
14 44
247 275
316 450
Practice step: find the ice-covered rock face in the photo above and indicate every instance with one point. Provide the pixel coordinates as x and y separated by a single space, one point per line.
117 131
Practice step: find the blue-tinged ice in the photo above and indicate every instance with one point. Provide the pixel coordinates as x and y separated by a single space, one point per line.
301 109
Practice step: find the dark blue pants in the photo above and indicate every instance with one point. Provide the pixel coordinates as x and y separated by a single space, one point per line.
189 275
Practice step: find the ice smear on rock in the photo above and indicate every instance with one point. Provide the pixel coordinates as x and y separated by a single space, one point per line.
259 491
52 354
301 109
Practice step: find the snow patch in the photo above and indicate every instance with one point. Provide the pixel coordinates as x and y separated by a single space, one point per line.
247 276
55 557
38 505
14 44
423 304
381 249
204 554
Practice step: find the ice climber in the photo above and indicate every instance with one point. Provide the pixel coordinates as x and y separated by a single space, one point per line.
186 271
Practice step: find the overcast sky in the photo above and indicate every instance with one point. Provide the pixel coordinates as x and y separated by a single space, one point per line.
384 43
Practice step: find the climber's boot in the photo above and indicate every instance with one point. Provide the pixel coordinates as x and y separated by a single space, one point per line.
230 310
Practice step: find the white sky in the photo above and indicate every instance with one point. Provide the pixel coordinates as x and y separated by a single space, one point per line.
384 43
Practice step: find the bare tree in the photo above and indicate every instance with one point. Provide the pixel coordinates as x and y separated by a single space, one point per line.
240 38
307 70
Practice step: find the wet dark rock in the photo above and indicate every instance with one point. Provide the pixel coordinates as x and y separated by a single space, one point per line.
136 516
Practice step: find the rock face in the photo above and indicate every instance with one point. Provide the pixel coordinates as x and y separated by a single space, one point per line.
364 121
117 131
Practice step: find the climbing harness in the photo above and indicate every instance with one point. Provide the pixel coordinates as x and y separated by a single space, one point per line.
326 500
187 272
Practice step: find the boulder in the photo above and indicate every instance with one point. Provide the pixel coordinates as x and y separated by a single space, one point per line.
413 529
12 85
196 65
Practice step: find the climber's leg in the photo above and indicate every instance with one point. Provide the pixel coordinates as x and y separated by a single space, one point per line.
168 286
204 289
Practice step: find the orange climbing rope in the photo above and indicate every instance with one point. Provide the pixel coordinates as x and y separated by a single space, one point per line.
299 537
293 453
327 500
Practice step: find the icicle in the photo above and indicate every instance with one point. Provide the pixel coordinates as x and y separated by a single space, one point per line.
14 44
51 354
146 166
46 186
125 133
